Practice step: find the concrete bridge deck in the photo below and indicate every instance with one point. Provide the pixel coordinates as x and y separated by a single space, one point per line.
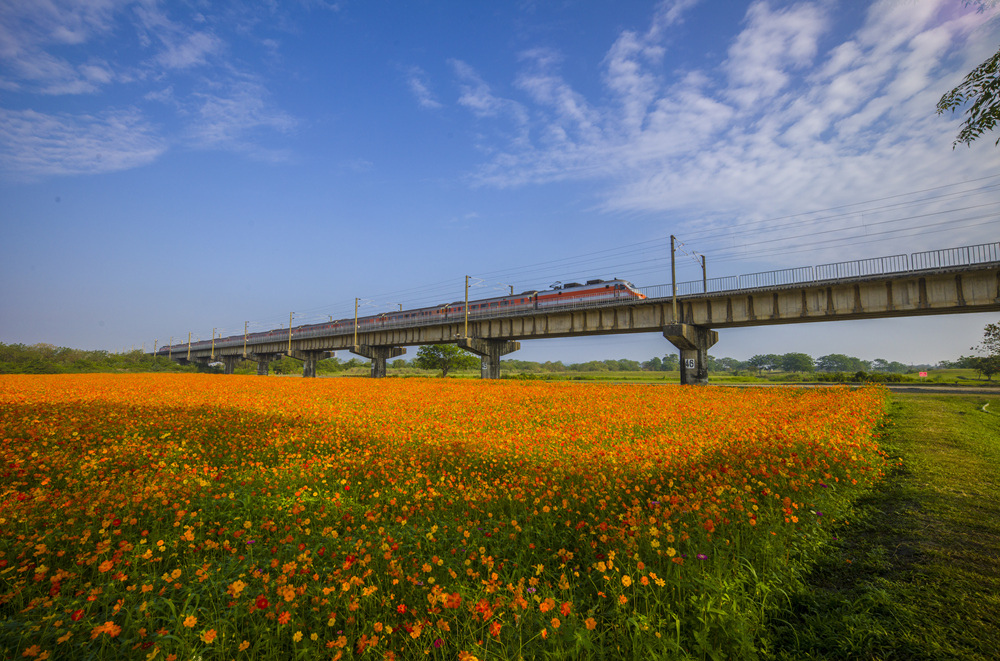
945 284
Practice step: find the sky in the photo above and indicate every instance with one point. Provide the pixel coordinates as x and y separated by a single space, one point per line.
176 167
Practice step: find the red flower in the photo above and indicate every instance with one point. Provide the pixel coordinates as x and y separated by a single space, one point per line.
401 609
261 602
77 615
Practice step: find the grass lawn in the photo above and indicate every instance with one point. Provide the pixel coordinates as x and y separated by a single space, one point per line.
917 574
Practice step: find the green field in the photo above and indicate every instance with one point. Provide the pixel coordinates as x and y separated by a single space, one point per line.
917 573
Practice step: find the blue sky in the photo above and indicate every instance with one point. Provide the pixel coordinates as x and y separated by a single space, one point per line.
168 167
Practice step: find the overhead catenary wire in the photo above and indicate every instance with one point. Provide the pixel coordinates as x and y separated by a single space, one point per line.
746 239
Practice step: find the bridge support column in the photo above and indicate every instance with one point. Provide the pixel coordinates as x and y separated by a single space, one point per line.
489 352
309 359
693 343
263 362
229 363
379 355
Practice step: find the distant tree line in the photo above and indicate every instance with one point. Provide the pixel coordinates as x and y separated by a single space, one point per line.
50 359
789 362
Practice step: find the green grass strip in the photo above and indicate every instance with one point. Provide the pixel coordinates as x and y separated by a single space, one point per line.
916 575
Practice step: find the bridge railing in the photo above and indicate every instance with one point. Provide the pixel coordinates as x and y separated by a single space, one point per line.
776 278
948 257
863 267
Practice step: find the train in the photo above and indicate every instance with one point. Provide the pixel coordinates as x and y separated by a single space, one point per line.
558 295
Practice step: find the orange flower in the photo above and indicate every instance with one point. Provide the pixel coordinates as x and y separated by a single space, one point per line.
245 644
208 636
190 621
284 618
565 609
494 628
590 623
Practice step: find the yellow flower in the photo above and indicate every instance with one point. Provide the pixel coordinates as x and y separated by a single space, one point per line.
626 580
297 636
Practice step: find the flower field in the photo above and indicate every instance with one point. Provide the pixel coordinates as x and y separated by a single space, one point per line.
201 516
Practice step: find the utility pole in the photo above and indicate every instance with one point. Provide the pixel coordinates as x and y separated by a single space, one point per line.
189 345
466 307
704 276
246 324
673 275
356 321
170 349
212 356
154 347
290 333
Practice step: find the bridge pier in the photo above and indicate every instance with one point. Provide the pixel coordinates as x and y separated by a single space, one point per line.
309 359
693 343
379 355
229 363
263 362
489 352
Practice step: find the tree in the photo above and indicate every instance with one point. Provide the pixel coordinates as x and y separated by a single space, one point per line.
989 364
671 363
982 88
797 362
991 340
725 364
764 362
838 362
444 357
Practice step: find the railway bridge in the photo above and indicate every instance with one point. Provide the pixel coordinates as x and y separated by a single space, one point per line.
688 314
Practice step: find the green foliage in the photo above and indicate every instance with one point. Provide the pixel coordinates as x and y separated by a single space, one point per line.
445 357
797 362
49 359
982 88
838 362
988 364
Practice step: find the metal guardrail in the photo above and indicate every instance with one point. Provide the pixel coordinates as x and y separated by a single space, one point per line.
863 267
949 257
894 264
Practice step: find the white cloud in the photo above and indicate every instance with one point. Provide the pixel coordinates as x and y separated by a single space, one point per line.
477 96
773 45
161 52
230 119
417 81
34 144
797 116
29 29
189 50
